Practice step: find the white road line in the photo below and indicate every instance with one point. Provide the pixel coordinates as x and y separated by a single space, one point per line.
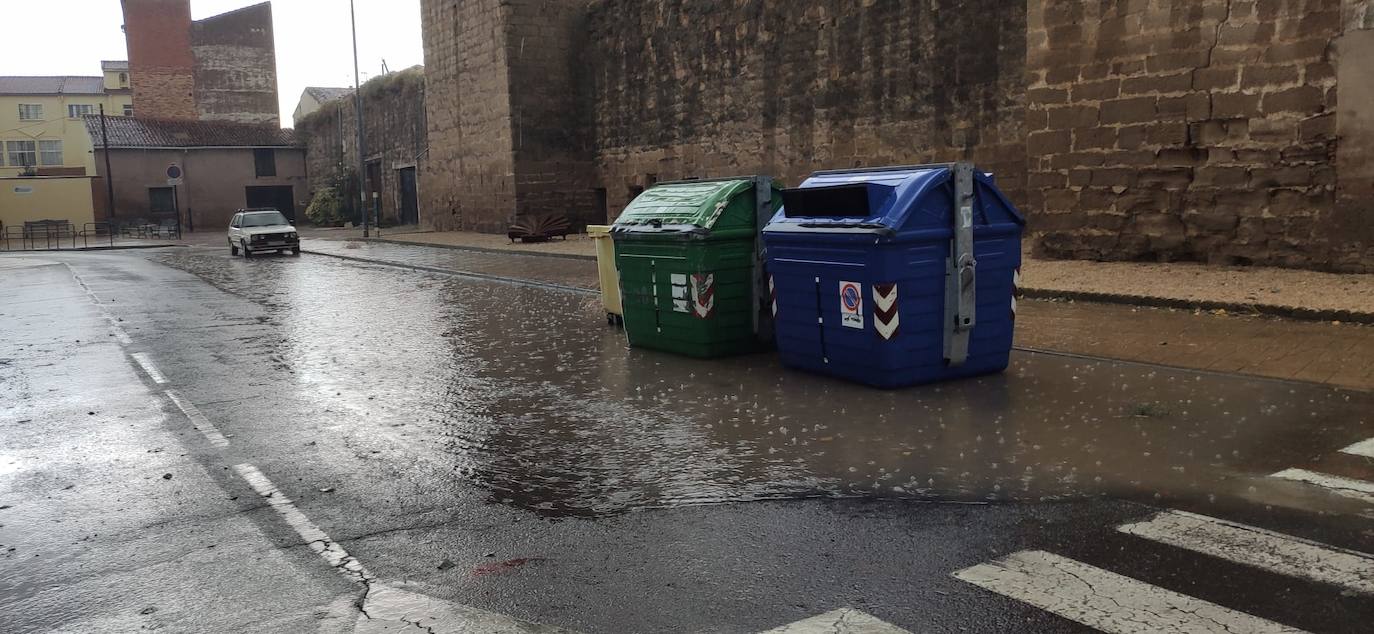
120 335
1363 448
387 608
1105 600
326 548
391 608
147 365
1252 546
1348 487
198 420
841 621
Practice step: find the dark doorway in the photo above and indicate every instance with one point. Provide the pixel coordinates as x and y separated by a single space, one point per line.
279 197
602 209
410 202
374 191
161 202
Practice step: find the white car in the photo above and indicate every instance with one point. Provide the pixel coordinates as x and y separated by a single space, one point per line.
257 230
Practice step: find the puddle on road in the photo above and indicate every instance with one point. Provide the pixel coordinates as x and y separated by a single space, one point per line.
525 392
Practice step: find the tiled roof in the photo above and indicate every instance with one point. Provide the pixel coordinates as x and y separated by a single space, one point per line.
326 95
58 85
114 64
142 132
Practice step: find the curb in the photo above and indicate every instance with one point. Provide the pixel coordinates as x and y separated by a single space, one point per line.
1271 310
1124 299
104 248
459 247
468 274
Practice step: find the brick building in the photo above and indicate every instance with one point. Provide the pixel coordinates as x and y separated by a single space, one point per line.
221 68
1222 130
204 98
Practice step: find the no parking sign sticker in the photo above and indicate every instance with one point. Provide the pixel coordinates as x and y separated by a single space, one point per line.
852 305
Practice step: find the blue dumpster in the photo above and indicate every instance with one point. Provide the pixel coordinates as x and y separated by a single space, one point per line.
895 276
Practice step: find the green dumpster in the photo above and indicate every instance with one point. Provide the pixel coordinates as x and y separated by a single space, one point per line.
688 255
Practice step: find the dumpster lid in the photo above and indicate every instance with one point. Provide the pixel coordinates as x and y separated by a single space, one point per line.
681 205
883 201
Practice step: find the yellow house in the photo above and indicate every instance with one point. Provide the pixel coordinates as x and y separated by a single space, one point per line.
41 127
47 167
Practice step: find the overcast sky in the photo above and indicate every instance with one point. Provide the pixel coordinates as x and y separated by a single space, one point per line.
314 46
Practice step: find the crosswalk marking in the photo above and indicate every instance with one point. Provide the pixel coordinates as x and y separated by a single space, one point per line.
1251 546
1363 448
1348 487
1105 600
841 621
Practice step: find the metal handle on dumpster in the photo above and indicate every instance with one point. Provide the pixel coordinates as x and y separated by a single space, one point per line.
961 302
763 212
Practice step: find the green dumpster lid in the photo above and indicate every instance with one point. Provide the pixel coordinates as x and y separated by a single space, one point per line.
682 206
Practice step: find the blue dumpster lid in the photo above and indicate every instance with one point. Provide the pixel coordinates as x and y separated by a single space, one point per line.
886 201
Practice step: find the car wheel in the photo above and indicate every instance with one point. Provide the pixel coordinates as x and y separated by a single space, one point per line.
246 252
233 249
295 250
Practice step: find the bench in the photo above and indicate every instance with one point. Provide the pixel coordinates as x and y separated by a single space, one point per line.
540 228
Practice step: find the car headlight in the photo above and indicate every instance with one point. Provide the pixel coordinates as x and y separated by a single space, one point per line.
258 238
292 235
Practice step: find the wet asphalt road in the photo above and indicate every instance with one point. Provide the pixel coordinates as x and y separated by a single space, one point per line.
496 446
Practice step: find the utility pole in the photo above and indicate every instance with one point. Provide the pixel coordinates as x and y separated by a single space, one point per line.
358 105
109 178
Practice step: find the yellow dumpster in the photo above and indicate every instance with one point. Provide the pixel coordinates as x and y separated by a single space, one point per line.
610 277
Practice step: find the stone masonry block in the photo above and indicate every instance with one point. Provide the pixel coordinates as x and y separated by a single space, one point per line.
1235 104
1261 76
1300 100
1132 110
1151 84
1072 117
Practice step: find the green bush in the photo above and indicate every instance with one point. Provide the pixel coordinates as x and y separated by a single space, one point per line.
326 208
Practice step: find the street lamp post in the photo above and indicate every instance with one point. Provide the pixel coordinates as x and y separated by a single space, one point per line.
358 106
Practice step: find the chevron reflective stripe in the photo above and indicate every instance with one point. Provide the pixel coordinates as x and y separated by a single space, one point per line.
885 317
773 294
1015 290
703 294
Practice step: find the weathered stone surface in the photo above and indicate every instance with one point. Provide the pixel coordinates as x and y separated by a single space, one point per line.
394 120
1241 150
785 87
467 177
236 66
1125 130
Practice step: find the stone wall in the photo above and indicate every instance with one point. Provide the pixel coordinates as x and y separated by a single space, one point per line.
161 68
1214 130
467 181
1187 129
236 66
551 109
394 121
1354 53
786 87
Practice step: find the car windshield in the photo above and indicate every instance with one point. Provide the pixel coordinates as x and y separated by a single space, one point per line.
264 219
